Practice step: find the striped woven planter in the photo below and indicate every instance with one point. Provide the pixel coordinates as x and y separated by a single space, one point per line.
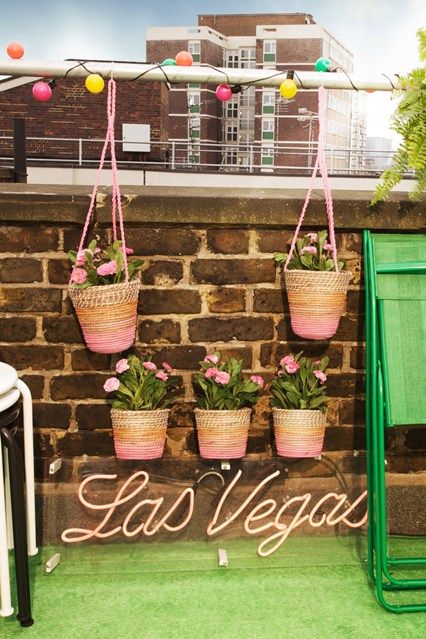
317 299
222 434
299 433
107 315
139 434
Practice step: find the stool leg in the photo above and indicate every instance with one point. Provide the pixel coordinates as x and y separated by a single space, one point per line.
8 500
19 527
29 464
6 603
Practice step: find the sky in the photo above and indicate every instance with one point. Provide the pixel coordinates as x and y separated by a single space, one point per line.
380 33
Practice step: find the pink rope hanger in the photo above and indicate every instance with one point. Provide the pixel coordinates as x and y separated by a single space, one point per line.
116 196
321 164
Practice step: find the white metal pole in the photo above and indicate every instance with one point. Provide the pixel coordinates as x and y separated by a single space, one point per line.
180 74
29 465
5 600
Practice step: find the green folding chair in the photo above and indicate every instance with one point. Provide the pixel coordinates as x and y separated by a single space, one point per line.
395 283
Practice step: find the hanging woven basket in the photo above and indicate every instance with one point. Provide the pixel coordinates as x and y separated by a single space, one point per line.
316 299
107 315
139 434
222 434
299 433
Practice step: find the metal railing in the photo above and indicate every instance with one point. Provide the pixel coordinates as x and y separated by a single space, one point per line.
290 157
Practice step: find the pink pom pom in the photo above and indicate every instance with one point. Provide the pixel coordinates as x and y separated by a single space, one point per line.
223 92
42 91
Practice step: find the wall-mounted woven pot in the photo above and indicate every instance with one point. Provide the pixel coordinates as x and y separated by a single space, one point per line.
222 434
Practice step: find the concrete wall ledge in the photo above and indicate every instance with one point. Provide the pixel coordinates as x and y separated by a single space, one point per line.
152 205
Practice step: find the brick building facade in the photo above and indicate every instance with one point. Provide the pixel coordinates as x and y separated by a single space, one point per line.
73 112
256 123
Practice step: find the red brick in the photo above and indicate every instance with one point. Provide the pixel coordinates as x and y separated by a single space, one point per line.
51 415
227 271
165 301
345 384
35 383
166 241
159 331
21 300
352 411
269 300
273 241
33 356
16 269
85 360
62 329
163 273
211 329
17 329
179 357
83 442
59 271
226 300
78 386
93 416
344 438
31 239
235 241
72 238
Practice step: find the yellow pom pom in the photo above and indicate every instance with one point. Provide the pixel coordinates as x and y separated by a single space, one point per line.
288 89
94 83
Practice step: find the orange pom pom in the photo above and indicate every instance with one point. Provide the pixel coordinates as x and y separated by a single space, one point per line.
184 59
15 50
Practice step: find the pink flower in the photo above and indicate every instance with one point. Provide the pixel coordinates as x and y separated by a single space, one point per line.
122 365
257 379
167 367
308 249
317 361
129 251
107 269
162 375
211 372
313 237
292 367
150 366
78 276
213 359
80 258
328 246
222 377
288 359
321 376
111 384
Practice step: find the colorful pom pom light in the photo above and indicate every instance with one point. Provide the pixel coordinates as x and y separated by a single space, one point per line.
184 59
15 50
42 91
288 89
168 62
223 92
323 64
94 83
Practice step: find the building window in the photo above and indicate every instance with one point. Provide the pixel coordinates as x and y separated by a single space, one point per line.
269 50
231 59
267 156
194 100
267 130
268 101
248 58
231 133
194 48
194 127
231 109
248 98
194 85
231 157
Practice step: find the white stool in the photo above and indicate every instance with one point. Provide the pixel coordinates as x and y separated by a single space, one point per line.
11 388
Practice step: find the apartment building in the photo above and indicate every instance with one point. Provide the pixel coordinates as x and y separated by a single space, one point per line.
256 128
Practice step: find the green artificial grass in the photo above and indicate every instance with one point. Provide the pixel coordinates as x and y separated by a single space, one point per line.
314 587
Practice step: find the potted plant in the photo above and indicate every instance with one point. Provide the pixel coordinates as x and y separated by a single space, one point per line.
140 409
409 122
316 285
104 289
224 399
299 406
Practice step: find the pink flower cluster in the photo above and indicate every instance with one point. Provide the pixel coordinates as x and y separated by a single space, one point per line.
78 276
257 379
220 377
309 249
109 268
320 375
289 363
212 359
111 384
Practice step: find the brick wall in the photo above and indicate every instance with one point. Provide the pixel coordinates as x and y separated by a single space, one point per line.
245 24
205 286
73 112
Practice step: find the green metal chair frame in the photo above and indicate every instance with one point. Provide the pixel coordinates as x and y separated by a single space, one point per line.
381 276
